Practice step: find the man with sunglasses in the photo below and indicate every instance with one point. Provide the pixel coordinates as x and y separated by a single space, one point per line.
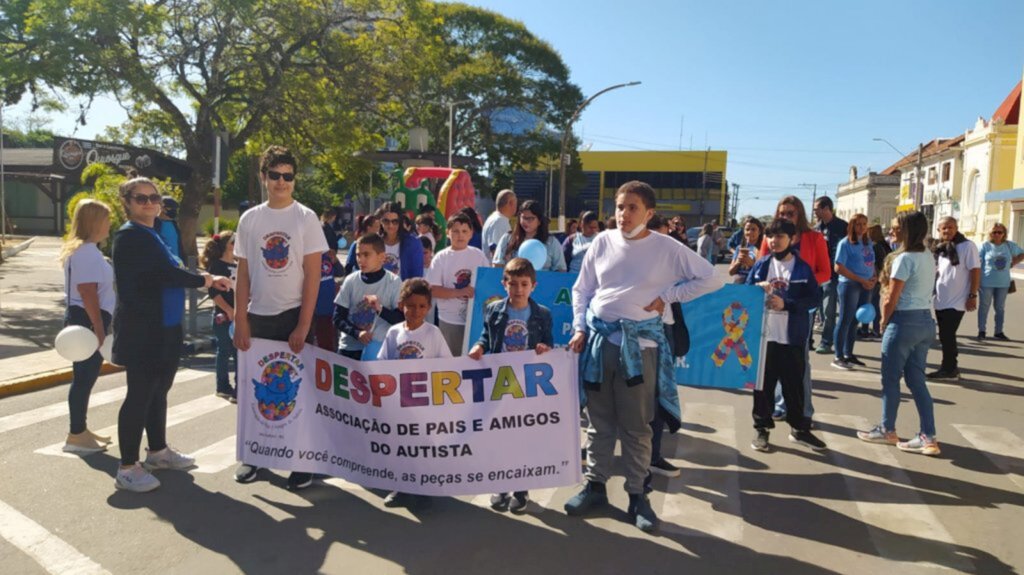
278 247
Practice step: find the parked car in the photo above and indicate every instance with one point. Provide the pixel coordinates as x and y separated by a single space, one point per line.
723 234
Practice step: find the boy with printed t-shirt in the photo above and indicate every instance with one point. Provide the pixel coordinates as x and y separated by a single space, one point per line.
367 304
451 276
516 323
413 339
278 248
792 291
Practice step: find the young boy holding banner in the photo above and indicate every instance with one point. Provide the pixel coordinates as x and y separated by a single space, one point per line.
516 323
367 304
413 339
451 276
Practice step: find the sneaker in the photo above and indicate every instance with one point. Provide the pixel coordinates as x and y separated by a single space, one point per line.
878 434
136 478
981 335
593 493
246 473
228 394
105 439
823 349
168 458
839 363
760 442
943 374
83 444
398 499
499 501
299 480
778 415
875 335
921 444
807 439
852 360
1001 337
642 513
664 468
518 502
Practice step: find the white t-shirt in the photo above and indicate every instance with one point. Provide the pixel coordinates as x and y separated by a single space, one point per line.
274 242
424 342
620 277
88 266
454 269
393 258
495 226
779 274
954 282
362 315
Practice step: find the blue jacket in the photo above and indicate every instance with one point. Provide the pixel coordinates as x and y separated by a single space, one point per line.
410 256
496 318
801 296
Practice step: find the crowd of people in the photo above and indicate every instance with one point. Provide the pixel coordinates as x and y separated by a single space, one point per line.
278 277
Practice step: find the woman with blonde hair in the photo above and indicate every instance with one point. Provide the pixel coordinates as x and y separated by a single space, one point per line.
998 256
89 287
151 283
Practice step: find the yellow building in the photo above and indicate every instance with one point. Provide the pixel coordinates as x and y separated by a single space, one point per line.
1007 205
691 184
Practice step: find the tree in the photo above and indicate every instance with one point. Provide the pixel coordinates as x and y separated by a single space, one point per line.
194 68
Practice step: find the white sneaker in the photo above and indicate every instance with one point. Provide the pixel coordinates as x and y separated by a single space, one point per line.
136 478
168 458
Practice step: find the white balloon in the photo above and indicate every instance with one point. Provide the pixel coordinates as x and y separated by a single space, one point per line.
76 343
107 349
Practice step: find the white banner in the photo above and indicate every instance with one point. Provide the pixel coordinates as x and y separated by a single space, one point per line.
428 426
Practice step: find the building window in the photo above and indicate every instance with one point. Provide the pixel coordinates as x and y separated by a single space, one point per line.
945 171
931 176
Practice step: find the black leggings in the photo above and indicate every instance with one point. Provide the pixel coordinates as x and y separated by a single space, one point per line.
145 406
85 372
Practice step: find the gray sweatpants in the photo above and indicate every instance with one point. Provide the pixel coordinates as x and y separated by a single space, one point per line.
452 336
619 411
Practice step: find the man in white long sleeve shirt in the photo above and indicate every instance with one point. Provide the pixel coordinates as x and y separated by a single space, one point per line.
628 277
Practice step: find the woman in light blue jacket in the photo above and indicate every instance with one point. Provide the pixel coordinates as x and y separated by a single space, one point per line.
531 224
998 255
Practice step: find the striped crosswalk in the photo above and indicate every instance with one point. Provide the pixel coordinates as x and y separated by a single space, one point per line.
719 470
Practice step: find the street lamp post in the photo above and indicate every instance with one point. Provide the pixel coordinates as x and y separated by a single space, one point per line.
562 160
451 126
888 143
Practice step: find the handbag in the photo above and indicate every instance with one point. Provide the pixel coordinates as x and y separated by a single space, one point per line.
1013 287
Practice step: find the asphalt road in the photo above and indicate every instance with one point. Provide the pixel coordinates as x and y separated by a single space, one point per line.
857 508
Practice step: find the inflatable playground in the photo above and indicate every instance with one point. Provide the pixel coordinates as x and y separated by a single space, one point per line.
416 188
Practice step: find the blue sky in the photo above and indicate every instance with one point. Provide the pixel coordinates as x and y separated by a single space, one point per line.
793 90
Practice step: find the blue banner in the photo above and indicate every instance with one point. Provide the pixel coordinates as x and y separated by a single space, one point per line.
726 344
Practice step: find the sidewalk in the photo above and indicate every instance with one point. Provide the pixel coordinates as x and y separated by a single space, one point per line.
31 315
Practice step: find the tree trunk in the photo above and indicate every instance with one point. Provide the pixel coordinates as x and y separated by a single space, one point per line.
198 186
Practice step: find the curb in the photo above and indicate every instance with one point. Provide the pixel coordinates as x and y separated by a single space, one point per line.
11 252
47 379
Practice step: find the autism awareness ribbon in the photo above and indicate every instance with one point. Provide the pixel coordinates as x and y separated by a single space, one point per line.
734 321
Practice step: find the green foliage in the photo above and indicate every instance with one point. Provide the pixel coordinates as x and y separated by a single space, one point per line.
225 224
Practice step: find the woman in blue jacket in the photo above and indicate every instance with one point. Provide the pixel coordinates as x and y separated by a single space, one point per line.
403 251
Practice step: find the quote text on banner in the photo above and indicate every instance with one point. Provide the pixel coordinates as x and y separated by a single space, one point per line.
725 327
427 426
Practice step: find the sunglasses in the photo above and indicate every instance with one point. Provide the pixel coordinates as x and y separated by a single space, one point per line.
997 232
288 177
389 221
150 199
787 214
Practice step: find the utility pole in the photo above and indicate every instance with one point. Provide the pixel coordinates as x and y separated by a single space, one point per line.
704 186
814 192
735 201
451 126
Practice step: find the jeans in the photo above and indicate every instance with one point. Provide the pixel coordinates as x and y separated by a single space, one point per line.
83 373
226 354
876 300
852 295
949 322
828 312
905 345
989 296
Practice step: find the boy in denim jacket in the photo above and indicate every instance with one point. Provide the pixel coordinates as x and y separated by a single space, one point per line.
516 323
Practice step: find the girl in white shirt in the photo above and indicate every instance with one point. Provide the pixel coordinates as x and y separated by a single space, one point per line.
89 287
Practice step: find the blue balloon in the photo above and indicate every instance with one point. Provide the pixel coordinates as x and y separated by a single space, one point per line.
866 313
231 330
342 243
536 252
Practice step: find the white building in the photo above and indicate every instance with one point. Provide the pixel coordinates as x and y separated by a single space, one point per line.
874 195
940 165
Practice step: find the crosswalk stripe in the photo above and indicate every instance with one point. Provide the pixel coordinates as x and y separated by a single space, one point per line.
51 552
721 518
216 457
911 515
994 442
33 416
175 415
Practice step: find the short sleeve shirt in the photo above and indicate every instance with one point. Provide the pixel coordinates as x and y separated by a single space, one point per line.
954 282
454 269
996 261
393 258
87 266
859 258
779 274
917 272
424 342
516 336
